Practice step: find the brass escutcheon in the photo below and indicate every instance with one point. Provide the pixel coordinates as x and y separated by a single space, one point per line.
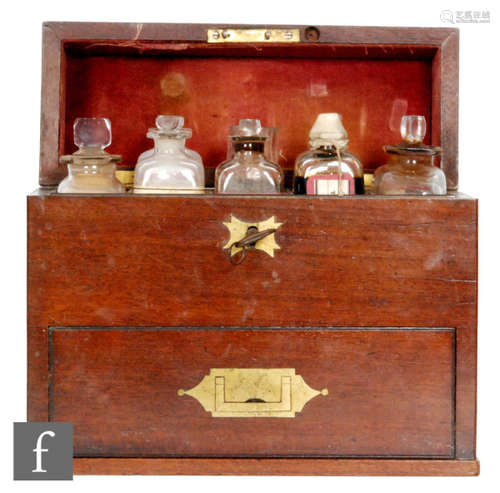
244 235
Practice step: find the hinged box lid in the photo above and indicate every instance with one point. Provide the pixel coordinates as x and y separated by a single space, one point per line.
214 75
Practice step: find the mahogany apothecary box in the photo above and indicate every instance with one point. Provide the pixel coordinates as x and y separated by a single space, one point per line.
348 347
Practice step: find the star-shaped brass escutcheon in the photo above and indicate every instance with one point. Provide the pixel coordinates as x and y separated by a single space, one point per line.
238 229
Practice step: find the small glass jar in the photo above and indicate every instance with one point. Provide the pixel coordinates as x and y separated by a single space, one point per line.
91 169
411 169
327 168
170 167
271 144
248 171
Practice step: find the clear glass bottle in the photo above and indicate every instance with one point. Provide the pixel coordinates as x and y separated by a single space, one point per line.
248 172
271 144
317 170
170 167
91 169
411 169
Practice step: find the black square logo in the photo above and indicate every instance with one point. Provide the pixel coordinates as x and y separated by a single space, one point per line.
43 450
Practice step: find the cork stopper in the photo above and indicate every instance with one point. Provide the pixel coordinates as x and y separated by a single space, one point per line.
328 130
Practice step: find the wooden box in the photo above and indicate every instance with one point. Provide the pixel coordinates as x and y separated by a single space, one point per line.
348 350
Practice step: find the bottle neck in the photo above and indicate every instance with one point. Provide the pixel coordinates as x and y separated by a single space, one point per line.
167 144
328 144
414 160
255 147
328 148
91 167
246 156
249 152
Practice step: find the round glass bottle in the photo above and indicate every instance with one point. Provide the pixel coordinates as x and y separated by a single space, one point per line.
248 171
170 167
317 170
411 169
91 169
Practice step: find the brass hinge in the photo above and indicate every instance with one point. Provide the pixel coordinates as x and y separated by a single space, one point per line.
253 35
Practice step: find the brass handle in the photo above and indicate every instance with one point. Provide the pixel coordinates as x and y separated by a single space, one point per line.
253 404
253 236
252 392
248 242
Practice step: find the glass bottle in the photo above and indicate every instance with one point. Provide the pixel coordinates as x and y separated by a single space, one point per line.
317 170
411 169
170 167
91 169
248 171
271 144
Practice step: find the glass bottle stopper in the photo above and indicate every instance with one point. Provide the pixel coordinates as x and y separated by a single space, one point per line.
169 122
91 136
92 132
169 126
248 127
413 128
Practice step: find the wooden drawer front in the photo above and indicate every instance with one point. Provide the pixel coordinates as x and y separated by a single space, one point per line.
390 391
120 261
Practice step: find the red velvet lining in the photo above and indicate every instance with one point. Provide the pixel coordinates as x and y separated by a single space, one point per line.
214 92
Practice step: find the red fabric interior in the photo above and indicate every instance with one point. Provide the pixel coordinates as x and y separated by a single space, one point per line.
213 92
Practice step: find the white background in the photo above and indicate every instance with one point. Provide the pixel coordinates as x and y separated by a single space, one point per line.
479 174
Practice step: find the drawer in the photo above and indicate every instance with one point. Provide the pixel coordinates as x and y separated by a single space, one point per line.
236 392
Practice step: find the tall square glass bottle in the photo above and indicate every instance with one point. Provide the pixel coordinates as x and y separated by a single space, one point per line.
248 171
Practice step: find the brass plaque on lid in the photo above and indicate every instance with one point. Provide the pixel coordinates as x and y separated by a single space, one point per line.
253 35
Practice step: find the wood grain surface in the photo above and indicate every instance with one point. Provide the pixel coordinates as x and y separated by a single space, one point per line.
130 260
282 467
158 261
119 389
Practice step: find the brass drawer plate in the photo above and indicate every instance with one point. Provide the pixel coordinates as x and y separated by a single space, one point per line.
253 392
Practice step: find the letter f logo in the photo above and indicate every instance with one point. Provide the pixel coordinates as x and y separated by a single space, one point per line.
38 450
